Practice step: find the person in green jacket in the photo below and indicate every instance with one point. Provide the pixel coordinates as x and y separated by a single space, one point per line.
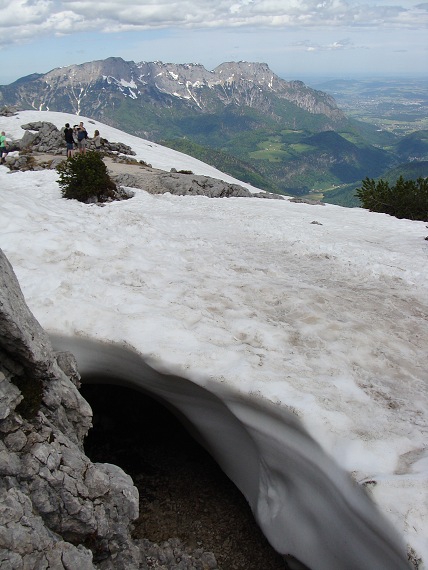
3 149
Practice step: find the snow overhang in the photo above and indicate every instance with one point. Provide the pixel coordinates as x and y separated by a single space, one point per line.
305 504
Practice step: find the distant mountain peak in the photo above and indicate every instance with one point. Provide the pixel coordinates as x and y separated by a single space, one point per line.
93 87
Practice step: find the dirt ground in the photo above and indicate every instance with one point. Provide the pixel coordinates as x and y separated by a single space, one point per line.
183 493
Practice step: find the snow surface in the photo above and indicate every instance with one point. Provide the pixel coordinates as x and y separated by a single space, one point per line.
156 155
296 349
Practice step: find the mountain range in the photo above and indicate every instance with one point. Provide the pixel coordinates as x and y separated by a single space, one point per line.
241 117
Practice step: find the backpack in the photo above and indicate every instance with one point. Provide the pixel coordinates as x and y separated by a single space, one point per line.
82 135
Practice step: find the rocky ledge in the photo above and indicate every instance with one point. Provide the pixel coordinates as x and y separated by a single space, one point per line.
42 147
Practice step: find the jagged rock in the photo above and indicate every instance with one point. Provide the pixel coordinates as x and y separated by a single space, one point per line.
268 196
307 201
153 85
20 333
45 138
182 184
21 163
58 509
8 111
10 397
67 362
191 184
118 147
26 543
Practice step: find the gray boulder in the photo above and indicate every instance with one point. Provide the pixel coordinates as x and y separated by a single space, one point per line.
187 184
43 137
58 509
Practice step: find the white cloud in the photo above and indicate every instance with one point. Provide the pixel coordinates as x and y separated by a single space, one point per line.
22 12
294 37
24 19
336 45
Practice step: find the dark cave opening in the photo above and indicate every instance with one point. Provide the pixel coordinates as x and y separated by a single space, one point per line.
183 492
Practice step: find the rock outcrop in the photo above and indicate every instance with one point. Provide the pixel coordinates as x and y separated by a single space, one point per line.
59 510
45 137
188 184
47 140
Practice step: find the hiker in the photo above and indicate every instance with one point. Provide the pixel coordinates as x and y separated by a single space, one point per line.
69 140
3 147
82 135
75 127
97 140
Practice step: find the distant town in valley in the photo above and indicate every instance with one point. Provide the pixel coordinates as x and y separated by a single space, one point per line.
395 104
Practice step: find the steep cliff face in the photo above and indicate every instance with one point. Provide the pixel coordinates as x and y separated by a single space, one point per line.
91 88
59 510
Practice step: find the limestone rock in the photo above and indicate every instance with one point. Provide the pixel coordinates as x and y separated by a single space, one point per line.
57 509
187 184
20 333
45 138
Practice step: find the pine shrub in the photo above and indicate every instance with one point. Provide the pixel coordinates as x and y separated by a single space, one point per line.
406 199
84 177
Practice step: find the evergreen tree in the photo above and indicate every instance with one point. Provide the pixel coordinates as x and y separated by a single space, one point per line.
406 199
84 177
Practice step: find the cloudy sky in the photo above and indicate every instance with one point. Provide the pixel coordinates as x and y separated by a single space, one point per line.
297 38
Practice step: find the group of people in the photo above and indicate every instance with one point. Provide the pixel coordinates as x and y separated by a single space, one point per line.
76 137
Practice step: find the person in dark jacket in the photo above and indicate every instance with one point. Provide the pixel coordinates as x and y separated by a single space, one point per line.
68 135
82 135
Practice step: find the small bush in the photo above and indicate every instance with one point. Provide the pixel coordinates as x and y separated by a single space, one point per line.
84 177
406 199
